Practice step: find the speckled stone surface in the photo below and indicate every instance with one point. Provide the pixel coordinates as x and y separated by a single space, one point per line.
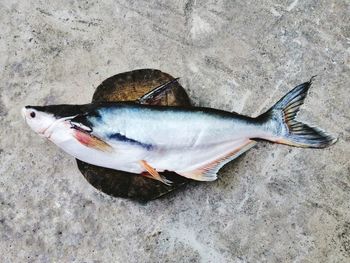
274 204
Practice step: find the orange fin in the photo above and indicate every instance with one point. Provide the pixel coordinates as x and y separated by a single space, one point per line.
154 174
147 174
92 141
208 172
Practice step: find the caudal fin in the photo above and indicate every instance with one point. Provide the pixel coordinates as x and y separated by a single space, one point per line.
280 120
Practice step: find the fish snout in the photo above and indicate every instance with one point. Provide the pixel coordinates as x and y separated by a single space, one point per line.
23 112
28 113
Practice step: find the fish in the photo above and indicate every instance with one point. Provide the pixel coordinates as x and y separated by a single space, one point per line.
146 139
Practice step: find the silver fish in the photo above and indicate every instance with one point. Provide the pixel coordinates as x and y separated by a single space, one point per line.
193 142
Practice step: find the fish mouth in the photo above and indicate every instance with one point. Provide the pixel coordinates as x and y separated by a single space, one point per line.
42 133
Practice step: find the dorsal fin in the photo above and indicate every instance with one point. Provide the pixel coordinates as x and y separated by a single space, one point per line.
154 96
208 171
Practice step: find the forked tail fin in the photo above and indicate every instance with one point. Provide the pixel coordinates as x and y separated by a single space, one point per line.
280 124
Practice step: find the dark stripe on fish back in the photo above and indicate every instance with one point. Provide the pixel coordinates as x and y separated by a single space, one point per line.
123 138
63 110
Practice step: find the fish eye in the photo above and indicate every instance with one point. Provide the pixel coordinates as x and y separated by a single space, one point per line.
32 114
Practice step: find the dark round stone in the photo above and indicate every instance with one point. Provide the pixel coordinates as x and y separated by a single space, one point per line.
129 86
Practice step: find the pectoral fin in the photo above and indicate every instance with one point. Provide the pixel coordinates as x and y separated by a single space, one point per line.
208 171
91 141
154 174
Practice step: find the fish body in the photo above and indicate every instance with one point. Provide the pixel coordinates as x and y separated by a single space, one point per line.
167 138
194 142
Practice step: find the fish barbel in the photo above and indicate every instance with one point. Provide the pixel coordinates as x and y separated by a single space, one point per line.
193 142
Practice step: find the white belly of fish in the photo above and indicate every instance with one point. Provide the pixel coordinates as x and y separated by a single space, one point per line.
126 161
127 157
123 157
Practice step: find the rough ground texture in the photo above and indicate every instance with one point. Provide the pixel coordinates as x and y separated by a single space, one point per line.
274 204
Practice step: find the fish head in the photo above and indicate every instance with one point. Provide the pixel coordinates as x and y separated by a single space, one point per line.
38 119
53 121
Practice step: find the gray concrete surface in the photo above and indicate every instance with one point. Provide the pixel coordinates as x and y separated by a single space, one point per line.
275 204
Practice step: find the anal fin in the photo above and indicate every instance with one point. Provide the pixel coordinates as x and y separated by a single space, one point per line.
208 171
